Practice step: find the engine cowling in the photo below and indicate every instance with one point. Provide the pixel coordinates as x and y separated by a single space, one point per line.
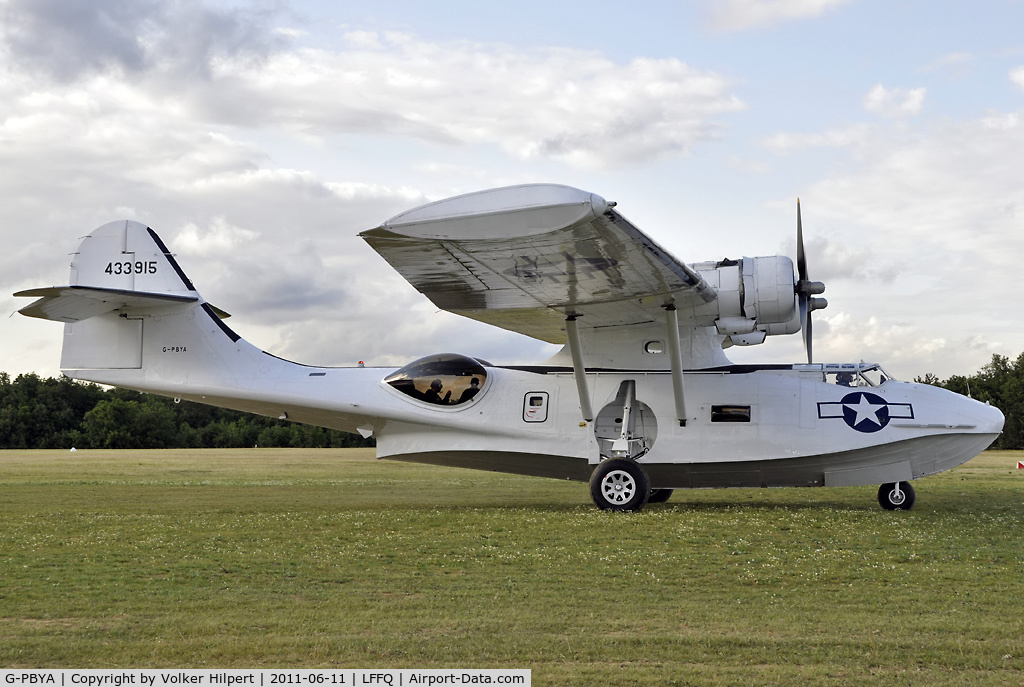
768 289
756 297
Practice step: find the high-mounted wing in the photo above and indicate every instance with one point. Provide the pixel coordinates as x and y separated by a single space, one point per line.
525 258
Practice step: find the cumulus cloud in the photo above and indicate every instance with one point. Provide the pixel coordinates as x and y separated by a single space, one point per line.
247 153
936 217
739 15
174 114
217 237
955 63
70 39
914 232
1017 77
162 113
230 67
894 102
953 185
837 258
844 137
902 346
577 106
276 246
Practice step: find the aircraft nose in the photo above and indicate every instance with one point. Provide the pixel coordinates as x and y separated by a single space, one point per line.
994 417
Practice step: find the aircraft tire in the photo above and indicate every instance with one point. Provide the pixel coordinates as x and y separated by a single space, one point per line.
659 495
620 484
891 500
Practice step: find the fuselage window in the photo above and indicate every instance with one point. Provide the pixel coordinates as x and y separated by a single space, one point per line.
730 413
654 347
445 379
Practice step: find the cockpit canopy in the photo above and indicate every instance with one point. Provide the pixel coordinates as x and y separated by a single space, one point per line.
855 374
446 379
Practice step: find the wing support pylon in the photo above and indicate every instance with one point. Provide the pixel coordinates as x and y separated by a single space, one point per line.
676 361
579 371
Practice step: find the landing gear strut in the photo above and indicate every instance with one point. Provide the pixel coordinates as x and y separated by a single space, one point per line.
896 496
620 484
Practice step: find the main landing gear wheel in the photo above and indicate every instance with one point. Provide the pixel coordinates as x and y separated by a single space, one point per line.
619 484
896 496
659 495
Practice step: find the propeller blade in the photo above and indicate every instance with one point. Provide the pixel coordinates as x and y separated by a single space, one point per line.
805 321
801 257
808 339
805 288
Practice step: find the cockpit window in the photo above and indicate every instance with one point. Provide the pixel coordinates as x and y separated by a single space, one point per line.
874 375
842 378
859 375
446 379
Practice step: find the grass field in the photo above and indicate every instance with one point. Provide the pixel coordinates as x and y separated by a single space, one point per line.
325 558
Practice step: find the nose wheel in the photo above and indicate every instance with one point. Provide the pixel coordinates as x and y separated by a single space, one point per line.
896 496
619 484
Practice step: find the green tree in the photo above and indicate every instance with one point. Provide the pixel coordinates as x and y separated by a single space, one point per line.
117 423
43 413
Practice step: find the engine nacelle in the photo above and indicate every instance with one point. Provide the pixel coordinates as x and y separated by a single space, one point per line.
756 296
768 286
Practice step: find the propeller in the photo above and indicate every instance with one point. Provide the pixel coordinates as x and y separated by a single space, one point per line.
805 288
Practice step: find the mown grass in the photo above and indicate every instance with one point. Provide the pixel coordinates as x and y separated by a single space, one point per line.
323 558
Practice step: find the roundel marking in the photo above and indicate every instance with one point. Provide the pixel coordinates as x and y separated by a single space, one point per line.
865 412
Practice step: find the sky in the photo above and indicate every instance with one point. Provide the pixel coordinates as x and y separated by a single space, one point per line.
258 139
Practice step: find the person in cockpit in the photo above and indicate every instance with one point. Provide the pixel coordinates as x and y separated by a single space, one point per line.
844 379
473 390
433 394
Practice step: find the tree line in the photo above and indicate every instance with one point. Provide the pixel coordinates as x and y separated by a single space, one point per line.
62 413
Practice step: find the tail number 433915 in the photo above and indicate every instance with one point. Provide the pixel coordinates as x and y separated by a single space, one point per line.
138 267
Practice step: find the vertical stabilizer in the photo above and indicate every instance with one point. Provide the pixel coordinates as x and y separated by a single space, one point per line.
129 306
128 256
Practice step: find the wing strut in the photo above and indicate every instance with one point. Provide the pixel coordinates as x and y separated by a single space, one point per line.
676 361
578 370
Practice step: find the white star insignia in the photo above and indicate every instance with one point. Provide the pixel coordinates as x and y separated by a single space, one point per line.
866 410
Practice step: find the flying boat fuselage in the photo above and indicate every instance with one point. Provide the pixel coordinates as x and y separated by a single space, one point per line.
749 426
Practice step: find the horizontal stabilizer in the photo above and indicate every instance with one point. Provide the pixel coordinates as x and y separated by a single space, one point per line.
77 303
122 265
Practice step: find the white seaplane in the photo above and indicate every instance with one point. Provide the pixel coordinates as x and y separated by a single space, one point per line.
641 399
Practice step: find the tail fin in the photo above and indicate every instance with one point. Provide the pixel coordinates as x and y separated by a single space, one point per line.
121 277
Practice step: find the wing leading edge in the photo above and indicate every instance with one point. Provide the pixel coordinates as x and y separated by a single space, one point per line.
525 258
